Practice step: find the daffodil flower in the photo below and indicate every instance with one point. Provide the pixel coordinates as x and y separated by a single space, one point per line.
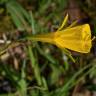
74 38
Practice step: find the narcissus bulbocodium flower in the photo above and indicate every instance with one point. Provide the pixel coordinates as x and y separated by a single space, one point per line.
76 38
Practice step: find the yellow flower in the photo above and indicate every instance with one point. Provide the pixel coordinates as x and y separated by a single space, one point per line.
74 38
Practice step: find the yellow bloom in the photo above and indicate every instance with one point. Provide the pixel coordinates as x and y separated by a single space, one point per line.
74 38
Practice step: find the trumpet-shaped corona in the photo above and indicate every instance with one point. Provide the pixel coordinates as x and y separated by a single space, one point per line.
76 38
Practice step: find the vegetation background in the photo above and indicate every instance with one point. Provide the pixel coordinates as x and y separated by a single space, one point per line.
40 69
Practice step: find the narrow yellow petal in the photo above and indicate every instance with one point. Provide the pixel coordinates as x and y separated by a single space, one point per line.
64 22
73 24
